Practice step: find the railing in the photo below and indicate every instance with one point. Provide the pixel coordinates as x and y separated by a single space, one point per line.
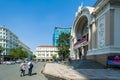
82 40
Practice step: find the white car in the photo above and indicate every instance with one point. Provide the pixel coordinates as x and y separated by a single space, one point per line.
19 61
10 62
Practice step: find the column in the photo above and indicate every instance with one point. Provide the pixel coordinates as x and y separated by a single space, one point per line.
83 53
94 44
76 54
89 37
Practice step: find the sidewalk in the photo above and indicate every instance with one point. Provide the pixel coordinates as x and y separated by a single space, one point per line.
67 73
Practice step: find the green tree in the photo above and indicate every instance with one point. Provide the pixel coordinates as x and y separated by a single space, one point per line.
13 52
18 53
63 45
54 57
33 56
1 50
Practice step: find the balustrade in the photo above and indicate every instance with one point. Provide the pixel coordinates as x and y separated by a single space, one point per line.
82 40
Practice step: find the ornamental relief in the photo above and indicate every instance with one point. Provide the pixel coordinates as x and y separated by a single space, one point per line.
101 32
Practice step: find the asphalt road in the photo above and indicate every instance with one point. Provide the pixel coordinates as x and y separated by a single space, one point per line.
12 72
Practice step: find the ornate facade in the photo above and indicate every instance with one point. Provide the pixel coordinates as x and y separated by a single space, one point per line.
95 32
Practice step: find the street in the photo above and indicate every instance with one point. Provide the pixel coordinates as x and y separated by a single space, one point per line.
12 72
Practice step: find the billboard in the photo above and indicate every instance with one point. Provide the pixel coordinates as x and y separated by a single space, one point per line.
113 60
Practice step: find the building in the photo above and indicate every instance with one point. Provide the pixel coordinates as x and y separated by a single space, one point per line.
26 48
9 40
95 31
57 32
45 53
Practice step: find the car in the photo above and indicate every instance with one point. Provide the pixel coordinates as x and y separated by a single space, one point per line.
4 62
18 61
10 62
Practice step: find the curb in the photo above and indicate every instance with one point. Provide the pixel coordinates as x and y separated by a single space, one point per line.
51 77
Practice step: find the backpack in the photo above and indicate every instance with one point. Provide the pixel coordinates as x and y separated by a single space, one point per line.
31 65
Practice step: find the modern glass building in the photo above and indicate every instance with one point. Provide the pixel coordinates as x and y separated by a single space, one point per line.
57 32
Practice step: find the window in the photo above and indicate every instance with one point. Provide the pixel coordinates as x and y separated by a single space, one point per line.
51 54
39 54
43 55
47 55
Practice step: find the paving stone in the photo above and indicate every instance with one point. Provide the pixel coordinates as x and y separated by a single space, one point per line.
76 72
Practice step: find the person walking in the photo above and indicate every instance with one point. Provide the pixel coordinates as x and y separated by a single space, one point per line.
22 68
69 59
30 67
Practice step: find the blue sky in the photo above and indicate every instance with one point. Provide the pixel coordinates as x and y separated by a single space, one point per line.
33 21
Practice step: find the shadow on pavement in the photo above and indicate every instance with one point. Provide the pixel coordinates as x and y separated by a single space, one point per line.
34 73
31 75
49 77
86 64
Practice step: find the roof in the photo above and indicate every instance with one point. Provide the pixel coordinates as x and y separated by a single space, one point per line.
46 46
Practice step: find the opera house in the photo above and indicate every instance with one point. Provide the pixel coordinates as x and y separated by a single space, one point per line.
95 32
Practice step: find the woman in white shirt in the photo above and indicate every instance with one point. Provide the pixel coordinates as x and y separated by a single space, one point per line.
22 68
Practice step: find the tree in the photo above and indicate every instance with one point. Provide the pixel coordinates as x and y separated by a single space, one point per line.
1 50
63 45
33 56
13 52
54 57
18 53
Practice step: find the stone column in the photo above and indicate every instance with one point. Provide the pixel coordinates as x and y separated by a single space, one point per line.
89 37
77 53
72 54
83 53
94 39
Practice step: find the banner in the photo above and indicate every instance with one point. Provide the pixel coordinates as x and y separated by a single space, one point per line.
113 60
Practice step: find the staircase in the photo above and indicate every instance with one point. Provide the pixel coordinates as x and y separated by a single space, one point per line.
86 64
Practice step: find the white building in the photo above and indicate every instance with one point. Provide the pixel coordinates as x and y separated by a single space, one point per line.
45 53
9 40
25 47
95 32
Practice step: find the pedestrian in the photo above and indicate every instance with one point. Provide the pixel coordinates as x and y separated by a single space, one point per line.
30 67
69 59
22 68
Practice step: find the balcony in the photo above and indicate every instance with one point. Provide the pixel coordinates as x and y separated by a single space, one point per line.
81 42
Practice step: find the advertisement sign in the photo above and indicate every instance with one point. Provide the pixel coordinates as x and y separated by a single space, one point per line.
114 60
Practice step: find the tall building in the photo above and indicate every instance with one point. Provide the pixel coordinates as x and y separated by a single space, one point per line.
57 32
45 53
26 48
9 40
95 32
